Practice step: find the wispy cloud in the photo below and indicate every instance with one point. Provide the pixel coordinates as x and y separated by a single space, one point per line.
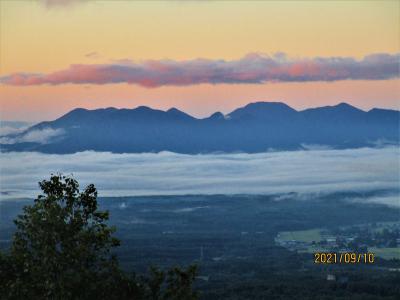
59 3
93 54
165 173
253 68
42 136
12 127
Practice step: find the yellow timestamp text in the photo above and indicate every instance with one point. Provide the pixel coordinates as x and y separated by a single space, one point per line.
343 258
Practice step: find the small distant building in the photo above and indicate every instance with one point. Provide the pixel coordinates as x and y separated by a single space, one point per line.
205 278
343 279
344 250
394 269
331 277
217 258
330 240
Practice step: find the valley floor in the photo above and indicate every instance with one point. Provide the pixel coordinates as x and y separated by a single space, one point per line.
243 244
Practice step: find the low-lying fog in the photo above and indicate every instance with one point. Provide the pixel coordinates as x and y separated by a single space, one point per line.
311 171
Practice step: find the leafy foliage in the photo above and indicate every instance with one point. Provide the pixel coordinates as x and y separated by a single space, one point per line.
62 249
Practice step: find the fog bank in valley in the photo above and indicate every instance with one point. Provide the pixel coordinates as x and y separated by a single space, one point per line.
165 173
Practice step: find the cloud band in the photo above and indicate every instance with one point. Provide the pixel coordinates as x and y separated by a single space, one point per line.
251 69
166 173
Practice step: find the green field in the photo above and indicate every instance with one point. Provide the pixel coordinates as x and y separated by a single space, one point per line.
302 236
386 253
380 226
313 249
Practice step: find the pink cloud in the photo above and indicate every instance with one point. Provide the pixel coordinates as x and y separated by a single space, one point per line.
253 68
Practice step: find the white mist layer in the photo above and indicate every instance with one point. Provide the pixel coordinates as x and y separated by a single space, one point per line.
165 173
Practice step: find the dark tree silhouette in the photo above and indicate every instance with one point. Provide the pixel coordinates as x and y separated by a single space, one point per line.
62 249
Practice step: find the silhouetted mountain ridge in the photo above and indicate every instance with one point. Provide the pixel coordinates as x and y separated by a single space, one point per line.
256 127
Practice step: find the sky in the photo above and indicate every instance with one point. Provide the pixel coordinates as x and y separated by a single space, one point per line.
198 56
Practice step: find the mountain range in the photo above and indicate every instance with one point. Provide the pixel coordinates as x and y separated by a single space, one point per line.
256 127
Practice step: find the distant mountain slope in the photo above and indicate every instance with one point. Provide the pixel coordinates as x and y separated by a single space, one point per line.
255 127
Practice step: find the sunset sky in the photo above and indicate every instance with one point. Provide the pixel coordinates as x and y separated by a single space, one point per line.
198 56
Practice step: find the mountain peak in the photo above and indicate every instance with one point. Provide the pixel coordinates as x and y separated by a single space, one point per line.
142 108
267 103
262 109
216 116
74 114
174 110
178 113
110 108
345 106
271 106
78 110
342 109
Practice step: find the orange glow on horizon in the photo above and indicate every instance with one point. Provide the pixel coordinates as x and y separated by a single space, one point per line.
37 103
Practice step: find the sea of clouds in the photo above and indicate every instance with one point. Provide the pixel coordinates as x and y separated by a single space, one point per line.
166 173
